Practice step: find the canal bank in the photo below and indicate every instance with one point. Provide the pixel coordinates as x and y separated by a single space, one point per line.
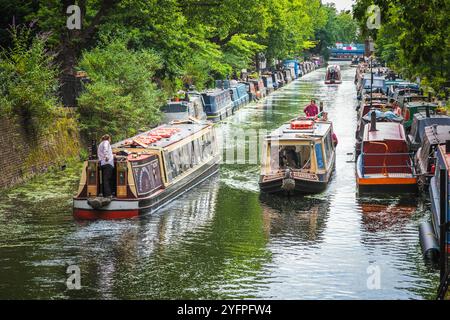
224 239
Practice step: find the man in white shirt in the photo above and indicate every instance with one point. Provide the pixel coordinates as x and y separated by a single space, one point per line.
106 158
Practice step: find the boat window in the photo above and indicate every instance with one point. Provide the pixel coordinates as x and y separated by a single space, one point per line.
328 146
187 156
294 157
319 156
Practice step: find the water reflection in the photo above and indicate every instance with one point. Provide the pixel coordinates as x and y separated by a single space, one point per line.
191 249
382 214
302 221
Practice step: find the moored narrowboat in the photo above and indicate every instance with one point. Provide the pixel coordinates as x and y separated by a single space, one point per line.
430 234
299 157
385 164
259 86
419 124
409 109
184 110
218 104
387 116
425 157
238 92
268 83
251 90
287 75
150 169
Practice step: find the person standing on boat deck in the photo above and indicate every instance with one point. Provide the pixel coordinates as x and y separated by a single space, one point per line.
311 109
106 158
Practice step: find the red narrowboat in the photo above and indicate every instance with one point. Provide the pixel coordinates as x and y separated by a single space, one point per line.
333 75
385 163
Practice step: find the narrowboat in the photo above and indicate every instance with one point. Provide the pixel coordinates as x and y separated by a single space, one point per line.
384 163
420 122
409 109
333 75
299 157
218 104
387 116
430 233
238 92
184 110
287 75
251 90
367 107
425 157
365 86
401 91
150 170
397 87
259 86
292 65
277 80
407 98
268 83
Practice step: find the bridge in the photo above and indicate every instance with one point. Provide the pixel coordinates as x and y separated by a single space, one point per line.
343 51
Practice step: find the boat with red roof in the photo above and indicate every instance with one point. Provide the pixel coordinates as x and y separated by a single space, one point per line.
150 170
385 163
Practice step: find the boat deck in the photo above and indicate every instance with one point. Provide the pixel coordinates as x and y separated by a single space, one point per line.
389 175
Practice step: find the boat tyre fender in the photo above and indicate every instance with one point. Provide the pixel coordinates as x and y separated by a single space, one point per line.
99 202
288 183
428 241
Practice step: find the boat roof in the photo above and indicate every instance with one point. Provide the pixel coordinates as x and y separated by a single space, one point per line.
422 103
421 122
446 156
385 131
437 134
181 131
367 76
285 132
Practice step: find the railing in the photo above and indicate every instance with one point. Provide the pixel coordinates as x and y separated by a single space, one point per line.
385 172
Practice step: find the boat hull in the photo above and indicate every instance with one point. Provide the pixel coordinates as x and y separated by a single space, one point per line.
333 82
126 208
387 185
301 186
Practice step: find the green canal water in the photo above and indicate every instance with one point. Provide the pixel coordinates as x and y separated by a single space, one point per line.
223 239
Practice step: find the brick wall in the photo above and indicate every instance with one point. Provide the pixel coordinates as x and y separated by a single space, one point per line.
22 156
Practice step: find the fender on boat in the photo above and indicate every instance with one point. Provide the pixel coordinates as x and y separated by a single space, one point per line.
428 241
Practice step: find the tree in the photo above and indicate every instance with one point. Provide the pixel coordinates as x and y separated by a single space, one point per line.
338 27
413 37
28 80
121 98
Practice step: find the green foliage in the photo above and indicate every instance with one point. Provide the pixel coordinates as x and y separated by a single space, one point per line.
338 27
28 80
122 97
413 37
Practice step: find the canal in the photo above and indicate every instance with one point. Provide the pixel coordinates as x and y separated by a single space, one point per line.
223 239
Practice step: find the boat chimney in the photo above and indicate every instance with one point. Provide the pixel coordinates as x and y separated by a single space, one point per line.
373 121
429 96
447 146
427 111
